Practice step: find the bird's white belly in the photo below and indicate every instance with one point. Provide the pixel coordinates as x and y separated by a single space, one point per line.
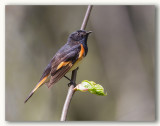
76 65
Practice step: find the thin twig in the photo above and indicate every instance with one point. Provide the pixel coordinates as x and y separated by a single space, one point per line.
69 96
74 72
85 20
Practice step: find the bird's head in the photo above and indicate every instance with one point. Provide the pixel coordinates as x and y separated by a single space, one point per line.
79 35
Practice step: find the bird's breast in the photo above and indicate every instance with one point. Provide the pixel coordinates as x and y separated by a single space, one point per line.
76 64
80 57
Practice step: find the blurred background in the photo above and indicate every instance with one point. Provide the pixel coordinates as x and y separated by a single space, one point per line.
121 58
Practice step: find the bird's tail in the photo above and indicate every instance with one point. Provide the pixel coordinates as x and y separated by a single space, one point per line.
41 82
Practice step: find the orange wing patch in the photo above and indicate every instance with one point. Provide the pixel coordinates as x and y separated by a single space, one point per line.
68 63
63 64
81 52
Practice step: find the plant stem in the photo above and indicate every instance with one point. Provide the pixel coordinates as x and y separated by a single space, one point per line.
69 96
74 72
85 20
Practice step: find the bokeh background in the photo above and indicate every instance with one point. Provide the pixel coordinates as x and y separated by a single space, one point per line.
121 58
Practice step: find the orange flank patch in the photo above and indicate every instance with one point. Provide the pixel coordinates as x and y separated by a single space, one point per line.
63 64
81 52
77 63
40 83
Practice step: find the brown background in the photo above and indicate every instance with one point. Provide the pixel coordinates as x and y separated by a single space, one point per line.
121 58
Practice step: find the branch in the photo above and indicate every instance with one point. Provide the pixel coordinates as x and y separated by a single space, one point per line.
85 20
74 72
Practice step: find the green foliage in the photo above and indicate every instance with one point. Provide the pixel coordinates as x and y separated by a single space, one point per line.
90 86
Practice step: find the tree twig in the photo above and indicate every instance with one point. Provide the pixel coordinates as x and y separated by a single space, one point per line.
74 72
85 20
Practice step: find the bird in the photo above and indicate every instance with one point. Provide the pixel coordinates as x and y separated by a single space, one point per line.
66 59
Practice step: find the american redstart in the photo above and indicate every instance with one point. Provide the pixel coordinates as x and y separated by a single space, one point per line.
66 59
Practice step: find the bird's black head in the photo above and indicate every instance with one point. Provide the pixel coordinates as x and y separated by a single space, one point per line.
79 35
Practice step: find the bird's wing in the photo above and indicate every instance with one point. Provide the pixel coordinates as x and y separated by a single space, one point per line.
63 54
63 63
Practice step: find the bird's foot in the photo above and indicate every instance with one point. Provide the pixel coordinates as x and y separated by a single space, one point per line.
71 83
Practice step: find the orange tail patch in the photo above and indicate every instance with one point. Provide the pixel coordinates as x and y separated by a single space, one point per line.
36 87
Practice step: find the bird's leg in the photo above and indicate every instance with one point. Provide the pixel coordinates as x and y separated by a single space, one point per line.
71 82
67 78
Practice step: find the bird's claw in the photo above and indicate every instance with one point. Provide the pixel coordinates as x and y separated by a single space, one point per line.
71 82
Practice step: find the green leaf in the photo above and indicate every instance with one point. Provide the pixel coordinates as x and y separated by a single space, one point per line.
90 86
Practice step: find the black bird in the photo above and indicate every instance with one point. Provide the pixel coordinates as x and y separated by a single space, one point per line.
66 59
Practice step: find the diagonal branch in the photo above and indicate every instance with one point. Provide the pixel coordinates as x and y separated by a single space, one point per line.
74 72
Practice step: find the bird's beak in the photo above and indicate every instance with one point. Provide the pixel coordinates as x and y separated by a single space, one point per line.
89 32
